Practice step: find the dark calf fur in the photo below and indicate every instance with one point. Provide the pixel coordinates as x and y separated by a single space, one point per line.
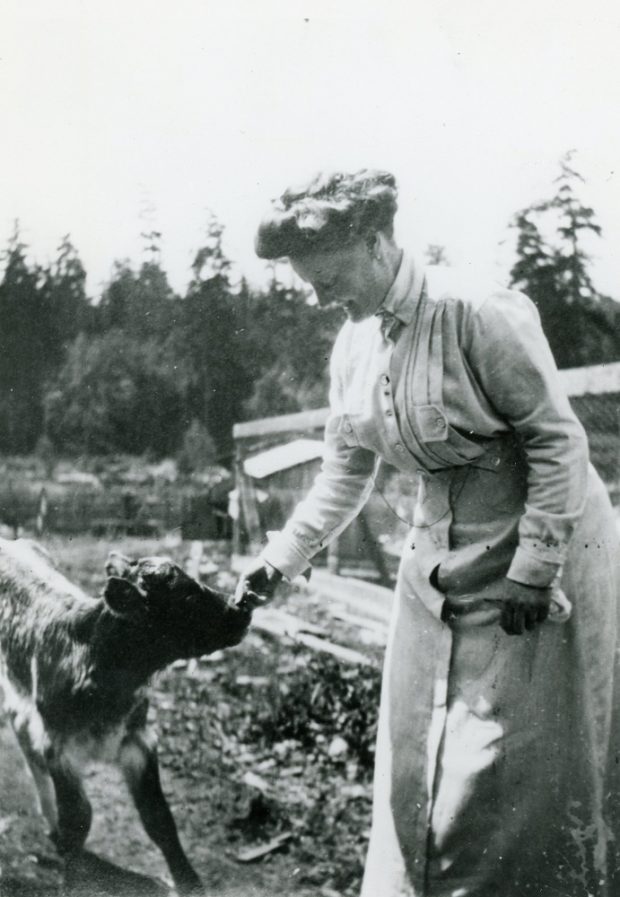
75 669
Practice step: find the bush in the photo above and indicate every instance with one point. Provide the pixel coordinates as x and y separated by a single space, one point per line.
319 701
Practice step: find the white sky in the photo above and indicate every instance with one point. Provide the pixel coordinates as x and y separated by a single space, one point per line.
111 106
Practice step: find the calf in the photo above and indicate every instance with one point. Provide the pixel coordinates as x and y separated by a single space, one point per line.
75 669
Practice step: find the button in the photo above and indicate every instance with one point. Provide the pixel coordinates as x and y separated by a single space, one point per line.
389 412
440 423
400 448
384 379
348 428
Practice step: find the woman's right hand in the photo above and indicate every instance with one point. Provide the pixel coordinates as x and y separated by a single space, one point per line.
258 583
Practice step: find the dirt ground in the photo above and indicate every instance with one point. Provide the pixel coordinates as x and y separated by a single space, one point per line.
29 866
232 778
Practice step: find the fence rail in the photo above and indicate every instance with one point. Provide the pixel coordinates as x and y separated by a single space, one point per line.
594 393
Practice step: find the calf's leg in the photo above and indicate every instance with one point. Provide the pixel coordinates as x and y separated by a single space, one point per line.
74 810
40 773
61 795
138 760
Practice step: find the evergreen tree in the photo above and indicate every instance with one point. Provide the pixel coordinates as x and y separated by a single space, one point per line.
24 322
436 254
574 222
553 268
292 340
68 306
209 344
141 303
114 307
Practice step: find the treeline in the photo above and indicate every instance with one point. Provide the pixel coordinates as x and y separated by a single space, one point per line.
143 369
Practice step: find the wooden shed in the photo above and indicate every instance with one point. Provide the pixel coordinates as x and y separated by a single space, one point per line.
276 461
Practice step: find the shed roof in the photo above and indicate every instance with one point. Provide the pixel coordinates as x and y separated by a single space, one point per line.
299 422
282 457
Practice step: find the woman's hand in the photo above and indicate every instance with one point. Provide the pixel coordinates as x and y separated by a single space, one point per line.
523 607
258 583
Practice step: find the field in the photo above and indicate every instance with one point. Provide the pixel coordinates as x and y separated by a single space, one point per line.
260 744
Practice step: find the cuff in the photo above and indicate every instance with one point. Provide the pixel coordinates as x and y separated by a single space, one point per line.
284 556
531 570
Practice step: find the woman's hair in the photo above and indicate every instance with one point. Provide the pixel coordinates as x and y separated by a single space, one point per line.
328 212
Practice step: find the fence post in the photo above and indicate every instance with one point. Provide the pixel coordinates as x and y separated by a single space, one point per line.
333 556
41 512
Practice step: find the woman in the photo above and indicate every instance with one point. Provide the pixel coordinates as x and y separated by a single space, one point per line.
496 747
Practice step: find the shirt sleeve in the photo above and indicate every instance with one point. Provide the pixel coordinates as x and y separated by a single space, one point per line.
511 359
339 491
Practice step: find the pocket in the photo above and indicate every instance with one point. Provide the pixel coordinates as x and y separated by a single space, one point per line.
441 439
431 423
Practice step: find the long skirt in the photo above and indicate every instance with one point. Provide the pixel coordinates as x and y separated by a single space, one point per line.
498 757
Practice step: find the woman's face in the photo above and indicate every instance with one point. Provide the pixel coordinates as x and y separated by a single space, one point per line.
351 277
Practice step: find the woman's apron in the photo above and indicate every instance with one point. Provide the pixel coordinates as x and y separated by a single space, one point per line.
493 749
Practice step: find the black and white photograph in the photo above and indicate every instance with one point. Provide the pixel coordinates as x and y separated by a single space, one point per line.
309 448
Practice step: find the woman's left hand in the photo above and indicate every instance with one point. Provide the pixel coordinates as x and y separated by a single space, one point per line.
523 607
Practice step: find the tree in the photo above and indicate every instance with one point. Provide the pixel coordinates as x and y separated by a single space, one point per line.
209 343
289 344
210 261
116 394
553 268
68 306
436 254
24 314
141 303
42 311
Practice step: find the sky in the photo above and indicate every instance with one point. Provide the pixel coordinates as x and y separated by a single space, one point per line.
124 116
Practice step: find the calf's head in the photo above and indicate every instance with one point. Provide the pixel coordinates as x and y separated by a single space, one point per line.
178 616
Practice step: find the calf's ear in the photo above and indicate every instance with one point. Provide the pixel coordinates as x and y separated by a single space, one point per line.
123 598
118 564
